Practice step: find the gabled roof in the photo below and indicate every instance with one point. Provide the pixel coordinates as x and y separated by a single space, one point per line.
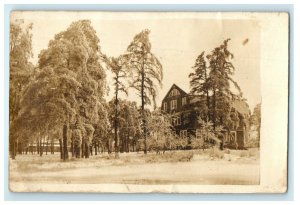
172 87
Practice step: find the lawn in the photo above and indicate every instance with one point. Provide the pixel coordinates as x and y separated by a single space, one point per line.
196 167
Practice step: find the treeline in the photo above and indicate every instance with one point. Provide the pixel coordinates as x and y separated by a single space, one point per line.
62 97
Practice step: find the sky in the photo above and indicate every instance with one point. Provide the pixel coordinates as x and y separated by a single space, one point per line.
177 39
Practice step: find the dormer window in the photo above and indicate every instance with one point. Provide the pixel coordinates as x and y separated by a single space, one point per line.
174 92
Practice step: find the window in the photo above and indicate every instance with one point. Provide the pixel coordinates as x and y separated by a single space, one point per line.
199 133
165 106
174 92
176 121
183 101
173 104
233 136
183 133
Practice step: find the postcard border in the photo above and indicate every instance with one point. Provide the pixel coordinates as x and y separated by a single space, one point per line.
289 195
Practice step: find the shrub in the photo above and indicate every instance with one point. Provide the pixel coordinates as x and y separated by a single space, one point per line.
197 143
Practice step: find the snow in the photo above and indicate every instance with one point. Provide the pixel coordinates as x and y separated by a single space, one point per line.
104 173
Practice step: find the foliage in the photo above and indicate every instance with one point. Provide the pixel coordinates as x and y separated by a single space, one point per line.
21 71
161 136
198 143
146 73
69 84
128 122
119 76
255 120
220 77
199 83
212 78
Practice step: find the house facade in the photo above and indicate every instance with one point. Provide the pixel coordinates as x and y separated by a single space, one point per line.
184 113
177 103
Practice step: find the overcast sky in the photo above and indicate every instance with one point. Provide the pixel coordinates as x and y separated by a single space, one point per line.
176 41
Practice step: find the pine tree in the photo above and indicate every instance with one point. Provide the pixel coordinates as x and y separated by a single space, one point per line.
199 81
219 79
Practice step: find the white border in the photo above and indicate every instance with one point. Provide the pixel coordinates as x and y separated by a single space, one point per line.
296 65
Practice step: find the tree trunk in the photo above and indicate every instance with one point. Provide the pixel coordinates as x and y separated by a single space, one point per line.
38 146
31 148
108 146
61 149
87 150
215 109
13 149
17 147
116 119
133 147
47 147
207 96
95 146
83 148
65 142
127 143
143 108
52 147
41 148
72 148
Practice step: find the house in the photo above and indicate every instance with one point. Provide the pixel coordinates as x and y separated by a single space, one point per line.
184 112
178 103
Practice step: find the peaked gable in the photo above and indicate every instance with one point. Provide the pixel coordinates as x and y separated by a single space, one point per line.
174 86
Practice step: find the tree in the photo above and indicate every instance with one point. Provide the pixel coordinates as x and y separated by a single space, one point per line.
129 128
208 135
256 119
128 123
69 85
219 79
101 136
199 81
161 134
146 72
21 70
119 75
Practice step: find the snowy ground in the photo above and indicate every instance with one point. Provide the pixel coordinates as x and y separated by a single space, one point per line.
49 173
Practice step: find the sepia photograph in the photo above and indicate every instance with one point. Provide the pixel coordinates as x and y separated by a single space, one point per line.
140 102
